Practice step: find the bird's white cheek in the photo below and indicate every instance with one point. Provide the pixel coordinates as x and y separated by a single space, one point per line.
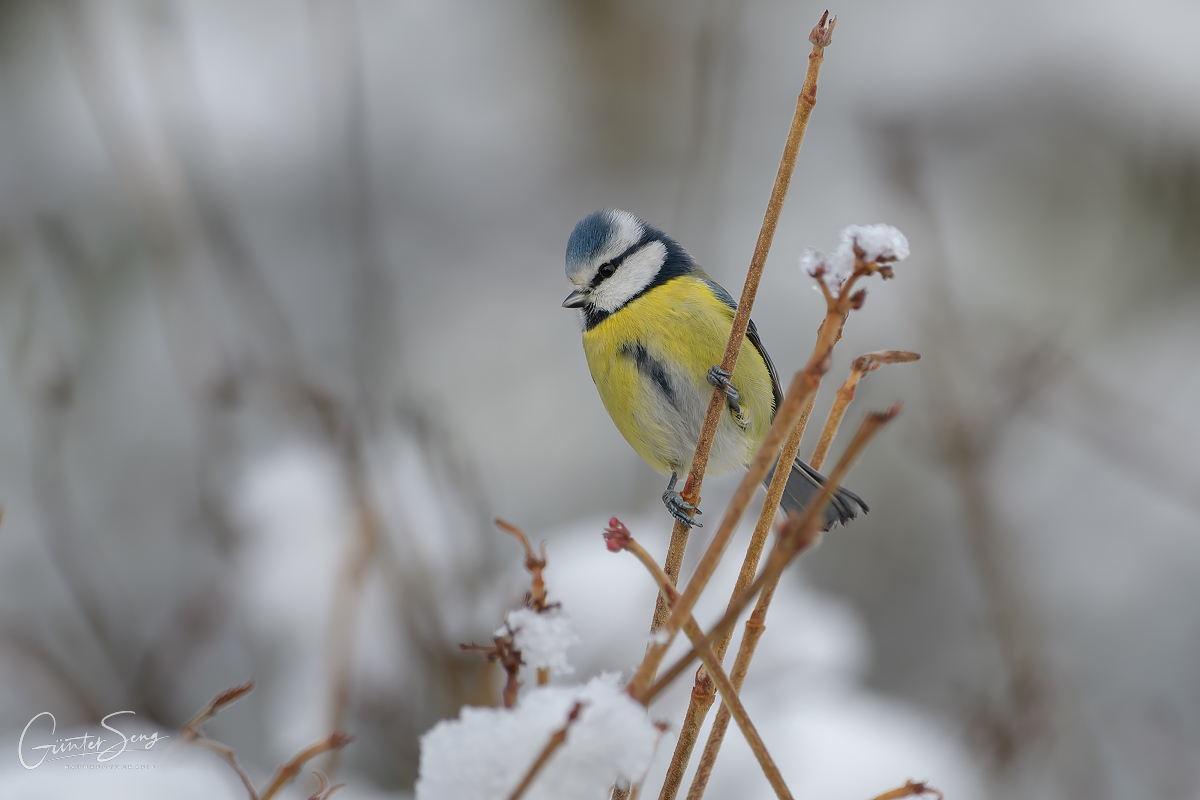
635 274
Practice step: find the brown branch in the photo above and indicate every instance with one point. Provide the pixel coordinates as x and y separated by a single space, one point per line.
910 789
225 698
618 538
795 536
335 741
348 592
227 753
868 362
556 740
536 598
533 563
325 791
804 386
820 38
704 692
755 626
502 650
191 733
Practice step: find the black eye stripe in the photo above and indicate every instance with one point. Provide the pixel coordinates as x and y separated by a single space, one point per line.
647 237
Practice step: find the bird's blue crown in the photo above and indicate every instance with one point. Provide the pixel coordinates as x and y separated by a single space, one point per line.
589 235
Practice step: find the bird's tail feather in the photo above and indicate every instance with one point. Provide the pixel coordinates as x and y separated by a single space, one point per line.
802 487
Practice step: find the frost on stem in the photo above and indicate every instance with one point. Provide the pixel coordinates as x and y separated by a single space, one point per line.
486 752
876 245
542 638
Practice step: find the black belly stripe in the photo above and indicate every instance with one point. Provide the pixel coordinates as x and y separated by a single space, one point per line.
652 369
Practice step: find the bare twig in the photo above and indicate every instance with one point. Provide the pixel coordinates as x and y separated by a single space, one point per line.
533 563
225 698
192 733
804 385
556 740
227 753
335 741
618 538
536 599
343 615
868 362
756 624
502 650
797 534
325 791
704 692
910 789
820 39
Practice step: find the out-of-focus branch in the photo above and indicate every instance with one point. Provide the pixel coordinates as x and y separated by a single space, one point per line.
534 564
821 37
502 650
910 789
335 741
556 740
191 733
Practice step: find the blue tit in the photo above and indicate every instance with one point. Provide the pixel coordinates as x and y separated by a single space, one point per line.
654 326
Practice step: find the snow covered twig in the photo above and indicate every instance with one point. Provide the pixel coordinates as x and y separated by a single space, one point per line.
556 740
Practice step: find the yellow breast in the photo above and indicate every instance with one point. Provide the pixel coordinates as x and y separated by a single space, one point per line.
650 360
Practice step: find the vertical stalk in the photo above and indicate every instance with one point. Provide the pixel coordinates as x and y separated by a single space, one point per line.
820 37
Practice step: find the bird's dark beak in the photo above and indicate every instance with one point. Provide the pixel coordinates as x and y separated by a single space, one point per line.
576 299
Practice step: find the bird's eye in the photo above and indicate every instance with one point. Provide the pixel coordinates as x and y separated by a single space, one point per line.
607 269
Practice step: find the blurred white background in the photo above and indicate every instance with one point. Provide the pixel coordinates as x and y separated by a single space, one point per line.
266 266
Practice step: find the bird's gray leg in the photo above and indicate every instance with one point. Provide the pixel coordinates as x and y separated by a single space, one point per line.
720 378
677 505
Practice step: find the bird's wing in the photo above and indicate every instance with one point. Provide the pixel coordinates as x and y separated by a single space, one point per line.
752 335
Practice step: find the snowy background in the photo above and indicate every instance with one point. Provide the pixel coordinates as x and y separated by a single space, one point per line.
264 266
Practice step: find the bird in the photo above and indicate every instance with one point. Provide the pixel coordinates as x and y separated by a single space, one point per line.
655 327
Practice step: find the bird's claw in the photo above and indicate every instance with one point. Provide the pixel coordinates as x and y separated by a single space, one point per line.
721 379
677 506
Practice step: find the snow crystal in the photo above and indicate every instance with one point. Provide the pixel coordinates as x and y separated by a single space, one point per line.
486 752
542 638
659 637
879 243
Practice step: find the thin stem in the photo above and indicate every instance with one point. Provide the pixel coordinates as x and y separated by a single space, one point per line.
756 625
704 692
556 740
711 664
868 362
820 38
909 789
796 534
227 697
804 386
227 753
334 742
534 564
